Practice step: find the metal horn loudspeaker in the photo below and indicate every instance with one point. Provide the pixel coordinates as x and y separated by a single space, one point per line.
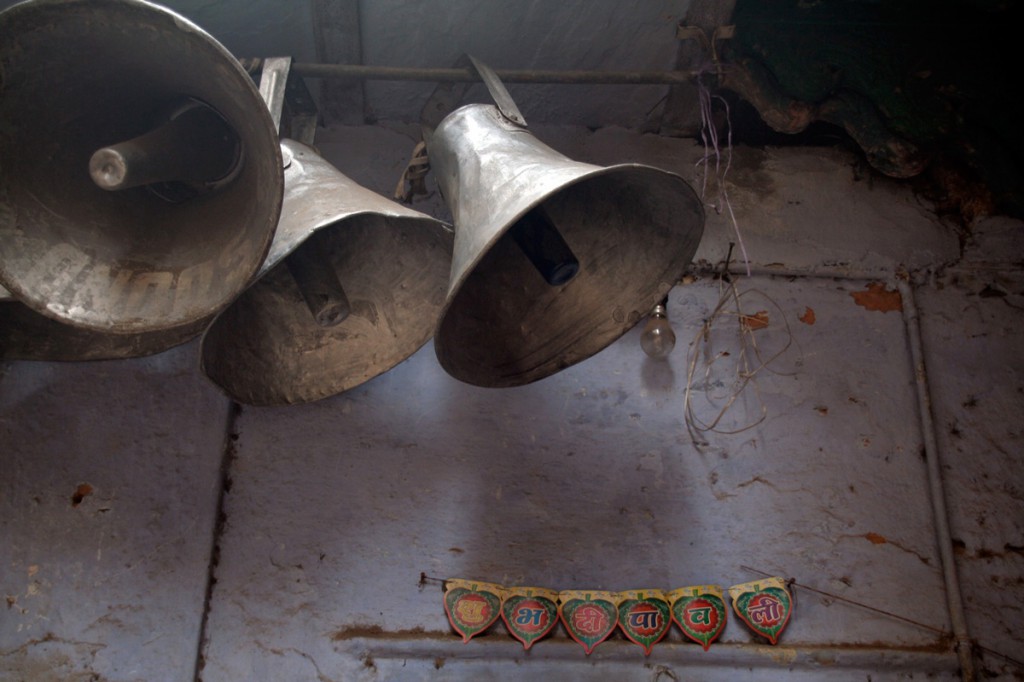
554 259
27 335
353 285
140 172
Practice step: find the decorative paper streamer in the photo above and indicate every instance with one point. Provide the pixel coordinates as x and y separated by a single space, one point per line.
764 605
700 612
472 606
644 617
589 616
529 613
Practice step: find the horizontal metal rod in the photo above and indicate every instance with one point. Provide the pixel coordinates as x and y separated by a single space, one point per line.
929 658
739 272
397 73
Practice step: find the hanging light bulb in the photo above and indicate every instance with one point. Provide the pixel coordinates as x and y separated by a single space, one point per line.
658 339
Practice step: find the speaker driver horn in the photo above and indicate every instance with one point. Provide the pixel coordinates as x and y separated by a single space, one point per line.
353 285
554 258
141 179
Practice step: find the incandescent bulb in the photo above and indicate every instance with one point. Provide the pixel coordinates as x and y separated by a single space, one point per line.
658 339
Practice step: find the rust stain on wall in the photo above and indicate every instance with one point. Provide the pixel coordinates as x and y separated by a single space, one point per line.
758 320
808 316
378 632
81 492
878 297
875 538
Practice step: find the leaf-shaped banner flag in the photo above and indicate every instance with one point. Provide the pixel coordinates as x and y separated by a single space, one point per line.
764 605
700 612
588 615
529 613
472 606
644 617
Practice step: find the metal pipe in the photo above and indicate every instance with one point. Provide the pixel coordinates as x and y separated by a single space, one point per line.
739 272
399 73
545 247
430 647
273 81
314 274
954 599
194 145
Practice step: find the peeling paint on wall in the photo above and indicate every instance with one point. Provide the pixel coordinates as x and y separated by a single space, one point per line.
879 298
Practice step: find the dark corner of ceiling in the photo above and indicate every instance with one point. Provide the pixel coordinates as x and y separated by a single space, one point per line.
924 90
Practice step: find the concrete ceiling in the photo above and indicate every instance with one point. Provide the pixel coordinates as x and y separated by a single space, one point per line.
917 88
523 34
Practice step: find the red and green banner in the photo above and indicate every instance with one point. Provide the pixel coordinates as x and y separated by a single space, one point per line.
764 605
472 606
700 612
644 617
589 616
529 613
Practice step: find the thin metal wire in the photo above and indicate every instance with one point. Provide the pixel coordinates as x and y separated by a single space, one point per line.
709 136
791 581
940 513
750 359
889 614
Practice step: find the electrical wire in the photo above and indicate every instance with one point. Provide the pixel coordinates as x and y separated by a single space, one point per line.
750 359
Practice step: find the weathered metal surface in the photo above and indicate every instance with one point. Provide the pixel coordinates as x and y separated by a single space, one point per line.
392 261
301 110
289 100
28 335
496 89
588 479
633 229
126 261
108 499
273 81
189 145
